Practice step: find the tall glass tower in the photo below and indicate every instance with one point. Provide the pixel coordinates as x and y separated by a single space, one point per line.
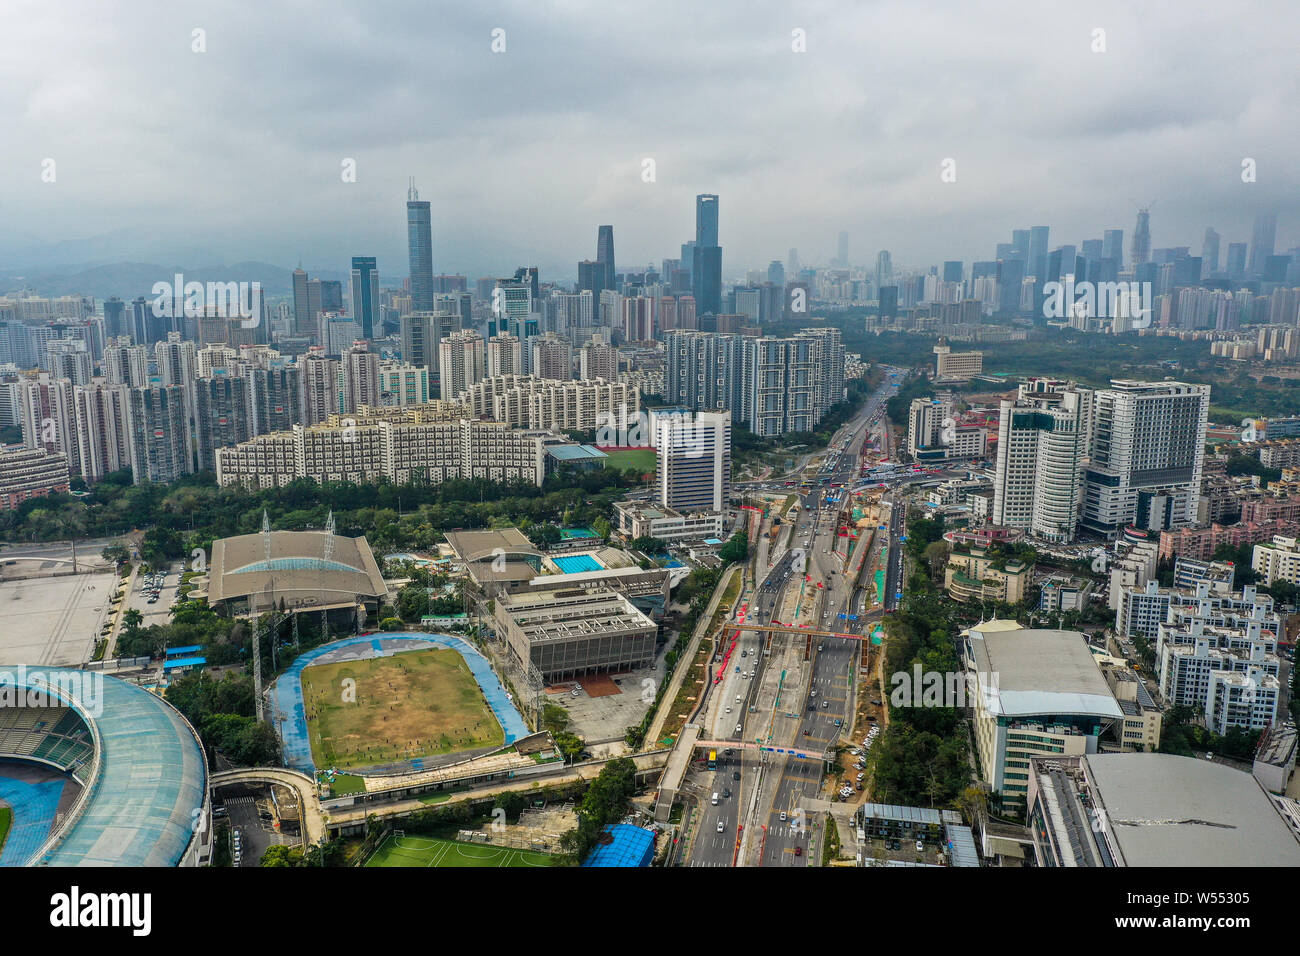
419 244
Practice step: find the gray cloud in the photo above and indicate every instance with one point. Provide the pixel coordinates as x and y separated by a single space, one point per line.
238 150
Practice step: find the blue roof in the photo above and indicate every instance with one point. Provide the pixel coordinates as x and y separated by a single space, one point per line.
151 779
574 452
184 662
187 649
629 846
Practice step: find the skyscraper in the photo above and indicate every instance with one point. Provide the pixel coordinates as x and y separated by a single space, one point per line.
706 272
605 255
1210 252
461 361
304 323
1112 246
884 270
842 251
1235 265
1036 266
1142 237
419 245
1262 241
365 294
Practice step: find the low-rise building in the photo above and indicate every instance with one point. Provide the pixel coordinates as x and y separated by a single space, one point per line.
1039 693
640 520
572 632
977 575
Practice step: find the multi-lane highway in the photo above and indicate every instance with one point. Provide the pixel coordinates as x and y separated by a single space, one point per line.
788 690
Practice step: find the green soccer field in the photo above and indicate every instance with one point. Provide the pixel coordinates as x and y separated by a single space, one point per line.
415 850
642 459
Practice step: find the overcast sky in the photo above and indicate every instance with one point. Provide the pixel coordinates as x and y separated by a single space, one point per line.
235 153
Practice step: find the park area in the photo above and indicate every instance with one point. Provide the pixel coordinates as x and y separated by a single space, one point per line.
364 713
400 849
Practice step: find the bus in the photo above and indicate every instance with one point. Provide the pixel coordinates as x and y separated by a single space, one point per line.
713 760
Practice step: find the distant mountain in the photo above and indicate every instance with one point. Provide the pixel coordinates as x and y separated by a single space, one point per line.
130 279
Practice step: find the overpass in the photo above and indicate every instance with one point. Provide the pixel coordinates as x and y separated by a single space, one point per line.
764 748
312 820
786 629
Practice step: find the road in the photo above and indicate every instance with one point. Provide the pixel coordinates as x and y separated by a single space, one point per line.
800 688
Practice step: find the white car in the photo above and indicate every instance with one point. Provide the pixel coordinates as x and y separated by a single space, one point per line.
721 826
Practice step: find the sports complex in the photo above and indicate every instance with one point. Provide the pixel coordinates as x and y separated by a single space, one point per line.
391 704
95 771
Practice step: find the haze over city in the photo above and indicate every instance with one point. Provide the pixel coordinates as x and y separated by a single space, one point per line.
177 157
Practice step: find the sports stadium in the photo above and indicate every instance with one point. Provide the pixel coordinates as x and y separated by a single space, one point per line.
95 771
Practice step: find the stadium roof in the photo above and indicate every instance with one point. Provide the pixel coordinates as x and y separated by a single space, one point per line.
629 846
575 453
1167 810
482 545
152 779
297 567
1026 672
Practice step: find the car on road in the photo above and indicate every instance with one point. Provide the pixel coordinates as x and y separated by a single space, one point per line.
735 775
782 816
721 826
798 851
920 847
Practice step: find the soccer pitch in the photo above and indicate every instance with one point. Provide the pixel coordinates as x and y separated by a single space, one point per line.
414 850
388 709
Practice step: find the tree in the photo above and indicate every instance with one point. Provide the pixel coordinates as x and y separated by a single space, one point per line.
648 544
117 553
736 549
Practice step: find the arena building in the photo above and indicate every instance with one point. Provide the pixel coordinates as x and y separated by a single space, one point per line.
295 571
98 772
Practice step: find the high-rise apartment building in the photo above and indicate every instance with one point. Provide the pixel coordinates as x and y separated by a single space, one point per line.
320 386
552 357
360 370
462 362
505 355
598 360
161 438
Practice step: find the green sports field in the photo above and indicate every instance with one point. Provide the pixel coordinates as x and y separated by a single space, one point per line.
642 459
6 818
415 850
386 709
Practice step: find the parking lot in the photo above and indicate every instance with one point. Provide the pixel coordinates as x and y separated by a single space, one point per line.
154 594
603 721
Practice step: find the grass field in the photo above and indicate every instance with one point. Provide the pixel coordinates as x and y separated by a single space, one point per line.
413 850
642 459
6 818
414 704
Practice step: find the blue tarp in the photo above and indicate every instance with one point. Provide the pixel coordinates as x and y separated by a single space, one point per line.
629 846
185 662
187 650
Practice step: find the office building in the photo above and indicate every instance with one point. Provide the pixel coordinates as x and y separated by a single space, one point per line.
419 245
1043 440
693 460
706 270
1037 692
1146 456
953 366
365 295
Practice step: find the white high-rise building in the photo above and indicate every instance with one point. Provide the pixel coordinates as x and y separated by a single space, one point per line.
1146 456
505 355
552 357
1042 443
401 384
461 363
693 462
360 377
598 360
319 383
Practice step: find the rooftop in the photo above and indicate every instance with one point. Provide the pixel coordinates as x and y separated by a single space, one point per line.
1033 671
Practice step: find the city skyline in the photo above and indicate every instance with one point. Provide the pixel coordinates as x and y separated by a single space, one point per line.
1089 135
